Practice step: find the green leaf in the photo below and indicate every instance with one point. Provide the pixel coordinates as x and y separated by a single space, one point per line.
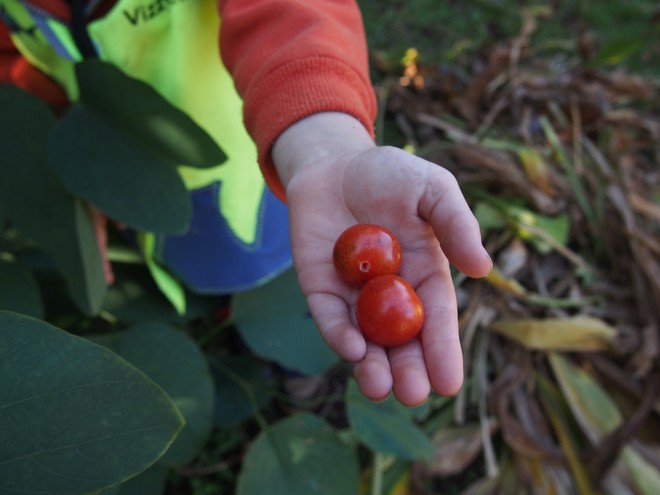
275 323
297 456
598 414
113 490
168 284
37 202
489 218
108 167
386 426
645 474
557 413
175 363
594 410
19 291
76 417
557 229
574 179
150 482
617 51
540 231
242 384
3 212
142 112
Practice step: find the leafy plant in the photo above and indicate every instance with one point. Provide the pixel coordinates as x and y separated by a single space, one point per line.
111 389
76 417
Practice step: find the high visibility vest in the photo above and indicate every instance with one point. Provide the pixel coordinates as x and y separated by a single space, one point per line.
239 235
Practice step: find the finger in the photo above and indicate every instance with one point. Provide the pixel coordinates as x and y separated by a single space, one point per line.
411 382
454 225
444 361
439 336
373 374
335 326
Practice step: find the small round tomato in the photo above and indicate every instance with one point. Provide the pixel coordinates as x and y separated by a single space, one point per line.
365 251
388 311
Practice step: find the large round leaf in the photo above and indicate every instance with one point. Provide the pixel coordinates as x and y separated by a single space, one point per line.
142 112
75 417
3 212
275 323
151 481
298 456
39 205
386 426
105 165
173 361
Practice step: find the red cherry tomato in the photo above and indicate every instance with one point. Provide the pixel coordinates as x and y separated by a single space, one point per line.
388 311
365 251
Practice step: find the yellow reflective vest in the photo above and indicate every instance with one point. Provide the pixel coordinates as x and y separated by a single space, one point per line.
239 235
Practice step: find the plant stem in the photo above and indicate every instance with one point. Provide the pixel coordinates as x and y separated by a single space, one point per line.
379 471
204 340
263 424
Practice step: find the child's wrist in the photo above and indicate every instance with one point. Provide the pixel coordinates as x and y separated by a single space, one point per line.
316 139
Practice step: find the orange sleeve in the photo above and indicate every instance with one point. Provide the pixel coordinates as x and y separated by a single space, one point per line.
291 59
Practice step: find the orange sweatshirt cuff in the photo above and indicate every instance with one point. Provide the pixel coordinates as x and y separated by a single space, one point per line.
298 89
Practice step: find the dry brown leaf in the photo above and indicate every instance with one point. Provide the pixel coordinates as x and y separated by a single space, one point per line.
503 165
507 482
453 132
644 206
579 333
510 285
483 486
513 258
543 477
468 103
521 422
536 169
626 86
646 356
522 442
485 125
457 447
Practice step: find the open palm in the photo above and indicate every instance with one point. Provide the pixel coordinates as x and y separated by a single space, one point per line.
422 204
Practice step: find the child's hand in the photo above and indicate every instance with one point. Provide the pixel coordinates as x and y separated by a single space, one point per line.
335 177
